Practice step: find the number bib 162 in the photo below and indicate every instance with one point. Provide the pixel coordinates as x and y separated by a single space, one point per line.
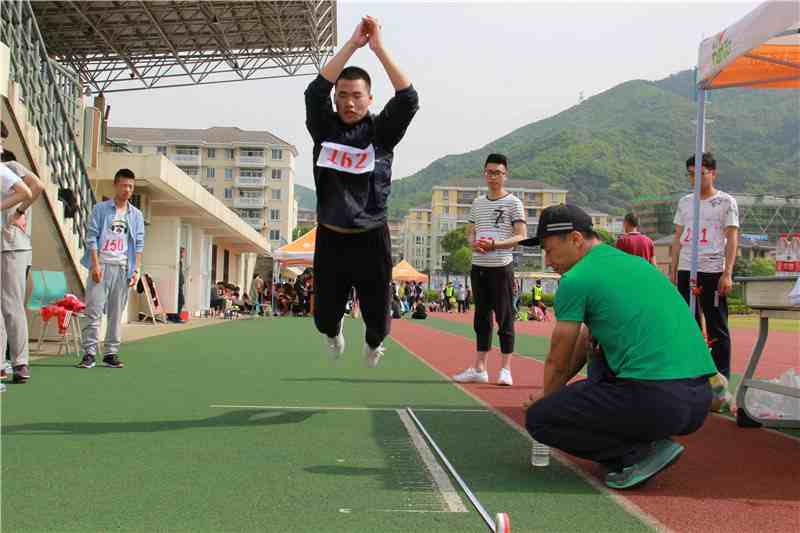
346 158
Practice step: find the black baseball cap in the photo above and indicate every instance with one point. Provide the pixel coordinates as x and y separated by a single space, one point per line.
558 219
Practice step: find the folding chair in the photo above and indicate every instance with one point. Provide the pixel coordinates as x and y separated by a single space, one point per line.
48 287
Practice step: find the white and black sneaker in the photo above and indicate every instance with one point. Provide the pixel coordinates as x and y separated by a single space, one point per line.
112 361
336 344
505 378
87 362
472 375
373 355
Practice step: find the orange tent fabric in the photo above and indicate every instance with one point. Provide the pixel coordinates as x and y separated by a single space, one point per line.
762 50
403 271
299 252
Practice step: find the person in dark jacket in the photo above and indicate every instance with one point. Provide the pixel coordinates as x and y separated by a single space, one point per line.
353 153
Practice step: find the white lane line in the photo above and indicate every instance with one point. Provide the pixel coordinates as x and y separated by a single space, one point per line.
440 477
624 502
410 511
343 408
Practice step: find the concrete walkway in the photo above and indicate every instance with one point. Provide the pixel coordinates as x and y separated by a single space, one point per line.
133 332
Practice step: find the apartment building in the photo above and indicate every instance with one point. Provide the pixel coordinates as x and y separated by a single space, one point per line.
251 172
601 220
424 226
451 203
306 217
417 237
397 236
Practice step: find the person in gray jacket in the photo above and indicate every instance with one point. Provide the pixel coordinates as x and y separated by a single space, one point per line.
16 262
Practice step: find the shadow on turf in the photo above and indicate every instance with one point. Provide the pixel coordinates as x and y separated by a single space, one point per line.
357 380
338 470
239 418
489 455
58 365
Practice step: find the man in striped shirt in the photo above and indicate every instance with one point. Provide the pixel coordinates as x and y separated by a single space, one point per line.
496 225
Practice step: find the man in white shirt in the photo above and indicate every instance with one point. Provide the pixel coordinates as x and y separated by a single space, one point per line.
496 224
718 239
15 197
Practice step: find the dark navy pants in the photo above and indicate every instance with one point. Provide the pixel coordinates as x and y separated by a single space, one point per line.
613 421
715 311
493 289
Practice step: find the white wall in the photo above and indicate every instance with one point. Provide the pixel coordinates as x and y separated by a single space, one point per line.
160 260
194 276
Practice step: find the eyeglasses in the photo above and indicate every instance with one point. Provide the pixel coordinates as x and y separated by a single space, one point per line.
493 173
704 172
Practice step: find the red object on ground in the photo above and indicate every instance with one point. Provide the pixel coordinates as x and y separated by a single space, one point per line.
748 476
184 315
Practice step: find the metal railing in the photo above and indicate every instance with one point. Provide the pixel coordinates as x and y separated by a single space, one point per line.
51 94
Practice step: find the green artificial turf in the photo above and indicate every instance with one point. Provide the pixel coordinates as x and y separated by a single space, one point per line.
141 448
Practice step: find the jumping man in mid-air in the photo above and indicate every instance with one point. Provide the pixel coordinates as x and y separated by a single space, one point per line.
353 152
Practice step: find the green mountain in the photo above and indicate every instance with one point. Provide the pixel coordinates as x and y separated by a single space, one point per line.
306 198
632 141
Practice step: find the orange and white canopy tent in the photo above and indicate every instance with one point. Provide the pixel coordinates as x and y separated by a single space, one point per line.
762 50
403 271
298 252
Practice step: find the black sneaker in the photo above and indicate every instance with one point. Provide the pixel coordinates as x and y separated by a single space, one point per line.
112 361
21 374
87 362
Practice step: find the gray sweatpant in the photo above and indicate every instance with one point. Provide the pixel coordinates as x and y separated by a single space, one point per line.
14 323
109 296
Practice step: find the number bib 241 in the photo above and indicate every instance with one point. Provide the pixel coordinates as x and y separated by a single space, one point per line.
346 158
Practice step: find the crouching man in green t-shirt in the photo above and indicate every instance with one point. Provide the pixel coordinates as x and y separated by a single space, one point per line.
648 371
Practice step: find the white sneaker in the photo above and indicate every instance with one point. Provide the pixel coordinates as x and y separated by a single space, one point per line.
471 375
336 344
373 355
505 377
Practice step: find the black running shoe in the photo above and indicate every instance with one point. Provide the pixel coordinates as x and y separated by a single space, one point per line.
87 362
112 361
21 374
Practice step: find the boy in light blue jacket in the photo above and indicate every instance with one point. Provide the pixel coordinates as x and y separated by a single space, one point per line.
114 246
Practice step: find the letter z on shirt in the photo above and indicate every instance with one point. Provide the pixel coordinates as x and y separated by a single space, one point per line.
494 219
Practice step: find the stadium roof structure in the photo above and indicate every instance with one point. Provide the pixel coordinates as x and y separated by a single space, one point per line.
133 45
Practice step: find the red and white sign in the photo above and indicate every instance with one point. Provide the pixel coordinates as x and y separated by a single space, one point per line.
347 158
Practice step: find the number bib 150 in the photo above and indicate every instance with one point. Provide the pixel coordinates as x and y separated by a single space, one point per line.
346 158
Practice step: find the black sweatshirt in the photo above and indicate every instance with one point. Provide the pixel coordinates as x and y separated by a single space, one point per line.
354 194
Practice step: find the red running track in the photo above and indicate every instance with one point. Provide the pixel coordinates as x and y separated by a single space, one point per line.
781 353
730 479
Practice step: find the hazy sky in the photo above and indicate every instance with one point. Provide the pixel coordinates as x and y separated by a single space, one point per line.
482 70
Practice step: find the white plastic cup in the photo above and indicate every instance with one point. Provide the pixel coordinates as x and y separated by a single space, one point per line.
540 454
